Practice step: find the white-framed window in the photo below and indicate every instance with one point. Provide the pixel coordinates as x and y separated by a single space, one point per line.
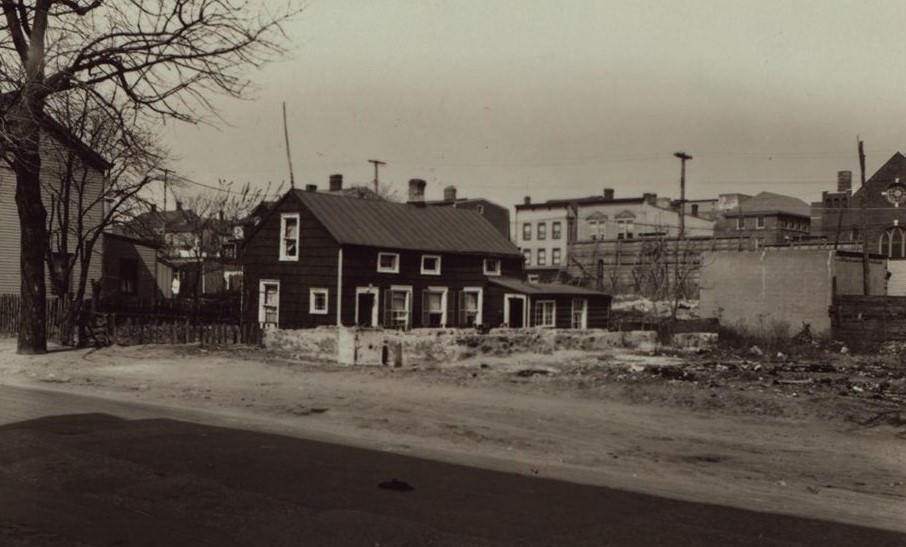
269 302
434 307
397 306
580 313
527 255
526 231
430 265
388 263
491 266
625 228
317 301
545 313
740 223
542 231
556 256
759 222
541 255
556 230
289 236
470 304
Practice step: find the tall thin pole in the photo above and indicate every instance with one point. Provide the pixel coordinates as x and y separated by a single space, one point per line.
866 280
682 205
289 159
377 164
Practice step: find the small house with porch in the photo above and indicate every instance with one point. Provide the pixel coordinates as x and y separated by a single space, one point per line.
319 259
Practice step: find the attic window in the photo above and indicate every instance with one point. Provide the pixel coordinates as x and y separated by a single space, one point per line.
289 236
430 265
388 263
491 266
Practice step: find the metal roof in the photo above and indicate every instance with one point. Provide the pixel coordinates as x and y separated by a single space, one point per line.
385 224
542 288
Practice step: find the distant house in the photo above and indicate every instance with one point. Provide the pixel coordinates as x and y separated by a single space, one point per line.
134 271
497 215
199 249
320 259
546 231
772 219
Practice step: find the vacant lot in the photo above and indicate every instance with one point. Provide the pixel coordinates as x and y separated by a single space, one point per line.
821 436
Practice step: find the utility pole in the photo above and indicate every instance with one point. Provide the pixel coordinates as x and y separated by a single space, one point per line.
289 158
682 211
866 281
377 164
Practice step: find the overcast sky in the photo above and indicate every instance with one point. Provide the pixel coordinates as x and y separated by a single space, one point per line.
561 98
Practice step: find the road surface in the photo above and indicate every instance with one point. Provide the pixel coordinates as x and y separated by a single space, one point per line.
86 471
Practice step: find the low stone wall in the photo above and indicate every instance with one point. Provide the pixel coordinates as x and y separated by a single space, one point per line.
448 345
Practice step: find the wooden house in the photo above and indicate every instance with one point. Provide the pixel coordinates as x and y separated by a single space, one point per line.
325 259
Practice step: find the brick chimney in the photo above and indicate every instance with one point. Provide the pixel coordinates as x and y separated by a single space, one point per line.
311 187
178 205
527 200
650 198
608 194
417 190
450 193
336 183
844 181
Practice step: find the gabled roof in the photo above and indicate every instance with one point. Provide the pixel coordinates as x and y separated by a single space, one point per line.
892 169
385 224
769 202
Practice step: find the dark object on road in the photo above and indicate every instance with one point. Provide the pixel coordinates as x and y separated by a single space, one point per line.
525 373
396 486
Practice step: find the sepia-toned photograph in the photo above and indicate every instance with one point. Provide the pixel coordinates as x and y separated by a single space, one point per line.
452 273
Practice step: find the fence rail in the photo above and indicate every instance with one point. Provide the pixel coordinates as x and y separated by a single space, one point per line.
163 324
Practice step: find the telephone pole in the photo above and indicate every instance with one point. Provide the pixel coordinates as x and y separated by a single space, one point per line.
377 164
682 200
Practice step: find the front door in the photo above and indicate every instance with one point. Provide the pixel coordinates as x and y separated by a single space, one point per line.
366 308
515 312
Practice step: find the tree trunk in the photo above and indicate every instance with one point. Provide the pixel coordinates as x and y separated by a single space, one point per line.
32 336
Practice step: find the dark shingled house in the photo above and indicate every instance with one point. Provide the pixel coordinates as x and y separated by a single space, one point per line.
324 259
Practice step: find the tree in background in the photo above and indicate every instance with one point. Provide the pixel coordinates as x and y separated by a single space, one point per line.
167 58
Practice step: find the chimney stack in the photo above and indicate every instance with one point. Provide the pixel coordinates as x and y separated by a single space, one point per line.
608 194
417 190
527 200
844 181
178 205
311 187
450 193
650 198
336 183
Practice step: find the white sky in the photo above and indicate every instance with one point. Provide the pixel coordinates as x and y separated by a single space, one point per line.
561 98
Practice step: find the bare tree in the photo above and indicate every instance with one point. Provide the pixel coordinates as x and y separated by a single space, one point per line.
85 201
165 57
210 217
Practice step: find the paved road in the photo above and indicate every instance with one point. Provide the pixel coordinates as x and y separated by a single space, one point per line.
77 470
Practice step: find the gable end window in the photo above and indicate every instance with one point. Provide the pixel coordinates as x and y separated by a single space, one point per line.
430 265
388 263
491 266
289 237
317 301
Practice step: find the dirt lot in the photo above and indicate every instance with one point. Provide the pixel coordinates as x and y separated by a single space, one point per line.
820 435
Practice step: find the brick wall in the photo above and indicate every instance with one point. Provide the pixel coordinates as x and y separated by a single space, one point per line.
759 289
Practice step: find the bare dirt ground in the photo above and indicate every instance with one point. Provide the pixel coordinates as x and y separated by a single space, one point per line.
819 436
